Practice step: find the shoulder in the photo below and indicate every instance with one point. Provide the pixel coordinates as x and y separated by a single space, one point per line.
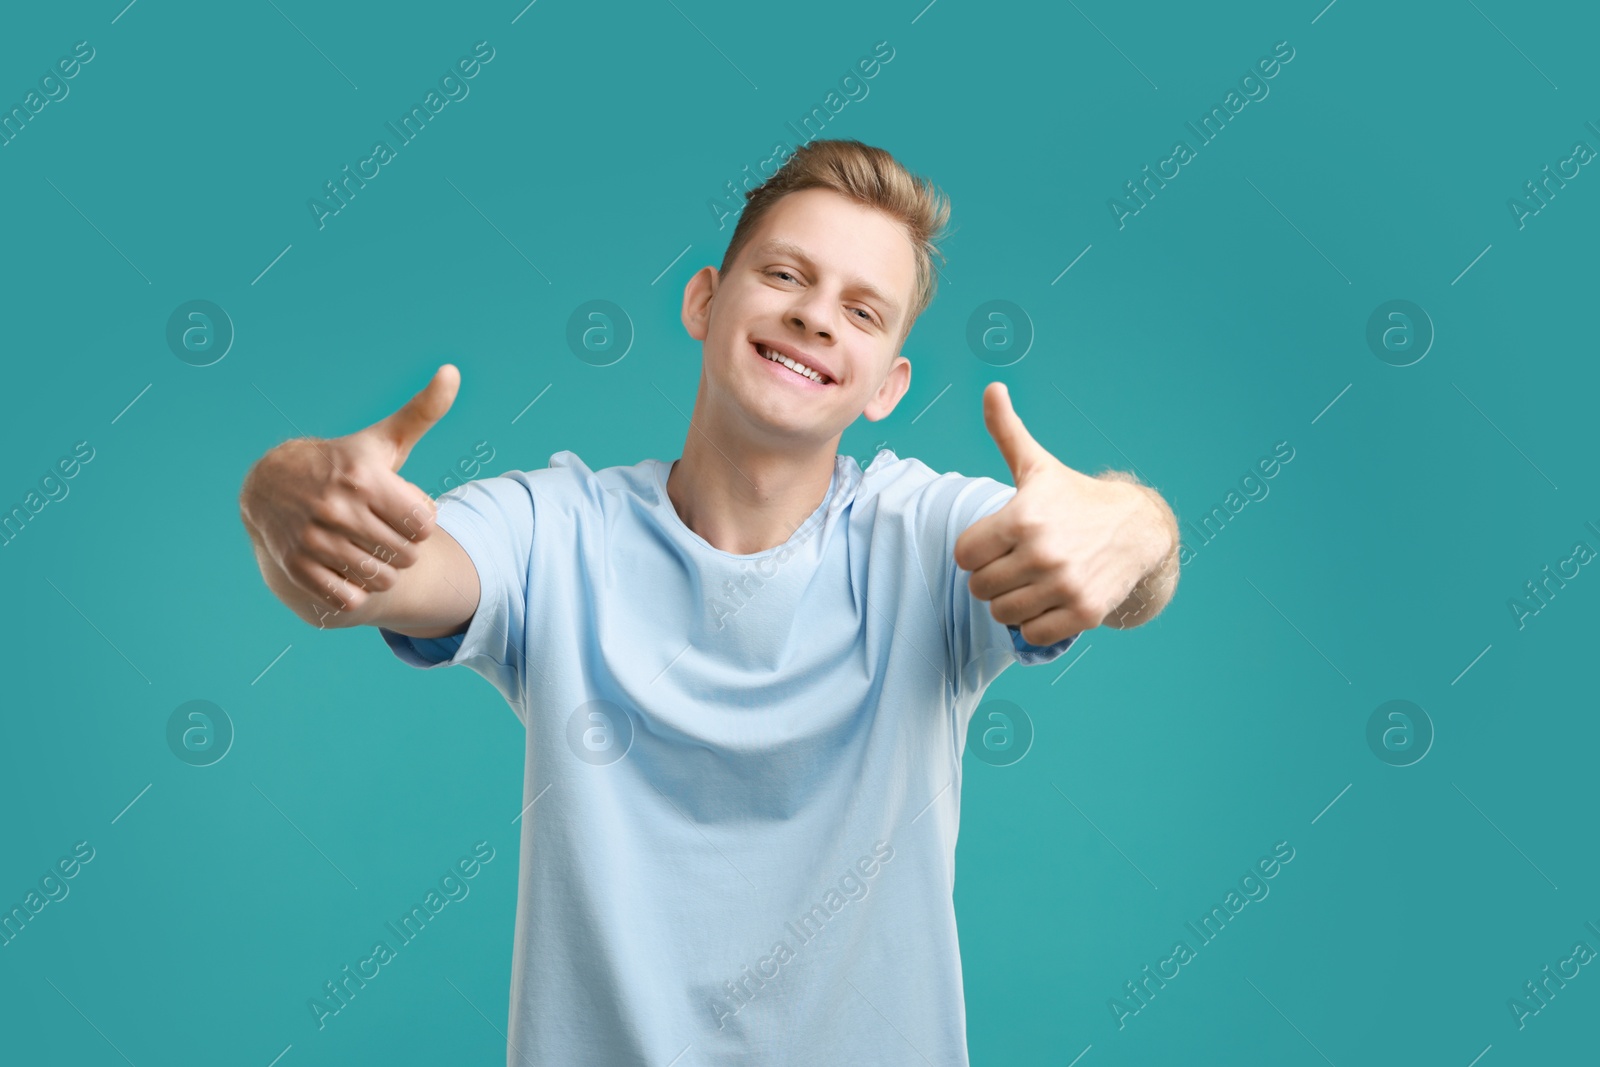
910 488
568 483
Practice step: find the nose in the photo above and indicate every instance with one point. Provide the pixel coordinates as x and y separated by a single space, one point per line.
815 312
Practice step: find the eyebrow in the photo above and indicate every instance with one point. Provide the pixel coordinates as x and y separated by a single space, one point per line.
781 247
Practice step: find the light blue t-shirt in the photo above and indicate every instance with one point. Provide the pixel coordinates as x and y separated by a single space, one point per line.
743 773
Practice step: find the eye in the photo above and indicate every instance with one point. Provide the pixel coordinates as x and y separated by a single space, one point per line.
866 313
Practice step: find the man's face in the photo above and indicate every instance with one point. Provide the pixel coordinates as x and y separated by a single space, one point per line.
828 281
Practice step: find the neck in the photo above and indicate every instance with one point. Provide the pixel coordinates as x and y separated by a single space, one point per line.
745 496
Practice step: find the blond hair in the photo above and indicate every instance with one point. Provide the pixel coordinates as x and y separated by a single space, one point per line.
871 177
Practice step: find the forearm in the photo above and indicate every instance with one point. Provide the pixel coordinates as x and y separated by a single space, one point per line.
1155 589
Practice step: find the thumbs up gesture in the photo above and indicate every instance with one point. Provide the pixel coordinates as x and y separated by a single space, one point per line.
332 520
1067 550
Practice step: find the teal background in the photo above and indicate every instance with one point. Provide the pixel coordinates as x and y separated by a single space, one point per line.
1215 324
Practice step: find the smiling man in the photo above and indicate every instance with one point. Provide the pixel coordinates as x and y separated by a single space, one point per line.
739 828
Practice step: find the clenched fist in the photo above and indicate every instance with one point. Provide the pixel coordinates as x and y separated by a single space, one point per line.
332 520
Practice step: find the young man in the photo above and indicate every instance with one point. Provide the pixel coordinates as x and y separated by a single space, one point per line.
747 675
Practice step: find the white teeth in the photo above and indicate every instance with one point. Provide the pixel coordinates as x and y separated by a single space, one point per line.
799 368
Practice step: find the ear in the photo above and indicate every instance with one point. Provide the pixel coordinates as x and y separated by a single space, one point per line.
889 393
697 302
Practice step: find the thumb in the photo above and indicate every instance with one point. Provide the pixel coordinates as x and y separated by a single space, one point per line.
1022 453
416 416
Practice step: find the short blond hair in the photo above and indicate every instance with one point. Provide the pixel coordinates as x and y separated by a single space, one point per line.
871 177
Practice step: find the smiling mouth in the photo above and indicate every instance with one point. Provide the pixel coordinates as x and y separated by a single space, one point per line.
798 369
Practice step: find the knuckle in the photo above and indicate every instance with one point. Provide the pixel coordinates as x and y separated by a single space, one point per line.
358 479
309 540
418 523
374 570
1029 524
382 555
381 580
1050 558
326 510
299 569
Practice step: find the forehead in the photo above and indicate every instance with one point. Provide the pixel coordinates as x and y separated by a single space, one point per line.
826 232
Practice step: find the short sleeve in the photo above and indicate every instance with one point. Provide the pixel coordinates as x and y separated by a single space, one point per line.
980 646
492 520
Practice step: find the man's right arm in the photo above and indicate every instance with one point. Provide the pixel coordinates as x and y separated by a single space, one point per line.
435 597
344 541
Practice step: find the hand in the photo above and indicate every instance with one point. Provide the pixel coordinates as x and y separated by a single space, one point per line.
1066 550
334 516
